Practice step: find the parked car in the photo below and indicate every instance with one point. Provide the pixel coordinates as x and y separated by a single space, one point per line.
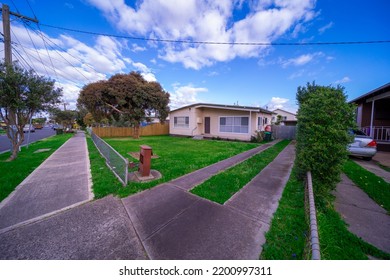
362 146
28 128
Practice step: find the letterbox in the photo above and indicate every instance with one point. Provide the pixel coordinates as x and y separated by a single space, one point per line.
145 160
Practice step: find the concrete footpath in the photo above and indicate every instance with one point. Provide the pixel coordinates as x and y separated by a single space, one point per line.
61 182
374 168
175 224
364 216
165 222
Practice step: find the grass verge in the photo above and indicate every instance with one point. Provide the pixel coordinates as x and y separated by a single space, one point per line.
286 238
384 167
176 156
104 181
376 188
222 186
14 172
336 241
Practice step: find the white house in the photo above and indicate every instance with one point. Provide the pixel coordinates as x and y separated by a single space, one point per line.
286 117
216 120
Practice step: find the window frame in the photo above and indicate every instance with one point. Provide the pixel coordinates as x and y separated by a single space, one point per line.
233 124
186 122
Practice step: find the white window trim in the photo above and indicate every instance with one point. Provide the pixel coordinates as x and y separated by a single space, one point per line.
240 133
181 127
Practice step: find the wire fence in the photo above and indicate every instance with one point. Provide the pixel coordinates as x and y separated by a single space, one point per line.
117 163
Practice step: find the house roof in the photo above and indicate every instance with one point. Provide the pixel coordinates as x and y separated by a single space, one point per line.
284 111
227 107
372 93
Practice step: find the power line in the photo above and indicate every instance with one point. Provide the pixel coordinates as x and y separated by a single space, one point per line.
218 43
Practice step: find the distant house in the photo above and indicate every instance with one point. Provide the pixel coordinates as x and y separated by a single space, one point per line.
373 115
215 120
286 118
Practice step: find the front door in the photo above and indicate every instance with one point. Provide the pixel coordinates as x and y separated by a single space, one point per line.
207 125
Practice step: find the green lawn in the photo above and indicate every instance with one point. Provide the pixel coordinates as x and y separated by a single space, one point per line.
377 188
104 181
14 172
2 131
336 241
224 185
177 156
288 234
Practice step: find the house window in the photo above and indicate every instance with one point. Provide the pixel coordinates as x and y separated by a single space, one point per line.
260 123
183 122
234 124
265 121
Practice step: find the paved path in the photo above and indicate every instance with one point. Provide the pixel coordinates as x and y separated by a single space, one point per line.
175 224
165 222
62 181
374 168
365 218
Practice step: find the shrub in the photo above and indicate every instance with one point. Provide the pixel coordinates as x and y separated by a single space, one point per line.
324 118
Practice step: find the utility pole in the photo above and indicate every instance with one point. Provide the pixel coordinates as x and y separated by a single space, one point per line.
13 116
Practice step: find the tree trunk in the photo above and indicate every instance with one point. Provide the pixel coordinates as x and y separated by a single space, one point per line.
136 132
16 144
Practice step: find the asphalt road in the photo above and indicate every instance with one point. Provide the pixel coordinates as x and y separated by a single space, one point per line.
45 132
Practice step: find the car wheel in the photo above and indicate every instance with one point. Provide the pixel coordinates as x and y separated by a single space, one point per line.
367 158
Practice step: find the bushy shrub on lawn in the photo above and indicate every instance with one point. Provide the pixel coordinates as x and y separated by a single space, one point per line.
324 117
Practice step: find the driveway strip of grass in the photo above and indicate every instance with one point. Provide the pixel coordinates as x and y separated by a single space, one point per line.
376 188
224 185
14 172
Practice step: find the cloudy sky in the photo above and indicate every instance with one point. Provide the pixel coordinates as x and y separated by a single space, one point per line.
162 40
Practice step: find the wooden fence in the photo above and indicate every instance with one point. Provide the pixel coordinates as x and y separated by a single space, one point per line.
284 131
149 130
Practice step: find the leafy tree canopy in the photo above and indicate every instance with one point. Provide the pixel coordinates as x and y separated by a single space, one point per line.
22 94
126 97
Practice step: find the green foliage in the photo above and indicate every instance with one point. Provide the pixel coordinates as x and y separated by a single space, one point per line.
324 117
224 185
286 239
65 118
126 98
22 94
258 137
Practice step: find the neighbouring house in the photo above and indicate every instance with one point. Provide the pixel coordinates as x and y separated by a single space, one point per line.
215 120
373 115
286 118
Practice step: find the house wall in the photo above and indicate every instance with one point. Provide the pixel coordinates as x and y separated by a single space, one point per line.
290 116
197 121
185 112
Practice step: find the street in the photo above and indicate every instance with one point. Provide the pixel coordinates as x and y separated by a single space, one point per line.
45 132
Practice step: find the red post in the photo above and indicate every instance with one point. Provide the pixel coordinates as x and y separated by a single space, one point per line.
145 160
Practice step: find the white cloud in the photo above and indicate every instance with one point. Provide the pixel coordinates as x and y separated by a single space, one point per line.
343 80
136 48
145 71
185 95
69 61
301 60
277 103
206 20
326 27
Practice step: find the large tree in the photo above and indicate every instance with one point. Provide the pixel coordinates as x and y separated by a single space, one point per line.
126 97
22 94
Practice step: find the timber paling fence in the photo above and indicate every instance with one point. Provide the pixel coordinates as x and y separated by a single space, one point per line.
117 163
149 130
284 131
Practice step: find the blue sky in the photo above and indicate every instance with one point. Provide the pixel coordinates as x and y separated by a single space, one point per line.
225 74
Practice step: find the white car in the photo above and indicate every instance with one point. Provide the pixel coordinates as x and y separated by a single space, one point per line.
362 145
28 128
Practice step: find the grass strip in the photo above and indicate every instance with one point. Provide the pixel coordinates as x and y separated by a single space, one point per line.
376 188
286 238
14 172
177 156
384 167
224 185
336 241
104 181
